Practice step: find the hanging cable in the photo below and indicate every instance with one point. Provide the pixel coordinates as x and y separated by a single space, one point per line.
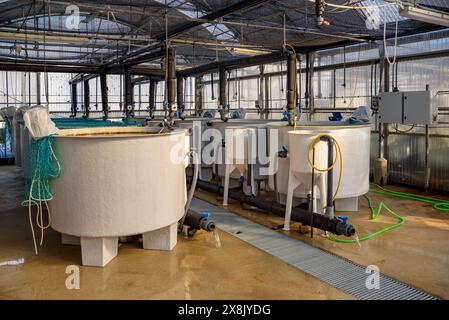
395 40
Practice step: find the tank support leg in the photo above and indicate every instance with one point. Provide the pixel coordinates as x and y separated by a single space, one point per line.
161 239
98 252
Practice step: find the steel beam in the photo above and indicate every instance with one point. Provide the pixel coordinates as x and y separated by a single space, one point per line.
234 64
241 5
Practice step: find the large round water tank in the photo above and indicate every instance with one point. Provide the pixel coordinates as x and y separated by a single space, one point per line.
299 142
118 181
355 146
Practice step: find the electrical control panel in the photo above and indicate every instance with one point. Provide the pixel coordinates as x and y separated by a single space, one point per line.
410 107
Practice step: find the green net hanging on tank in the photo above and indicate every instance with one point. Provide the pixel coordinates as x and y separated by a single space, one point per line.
43 166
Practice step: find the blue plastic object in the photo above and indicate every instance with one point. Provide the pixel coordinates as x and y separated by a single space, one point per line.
344 219
205 214
336 116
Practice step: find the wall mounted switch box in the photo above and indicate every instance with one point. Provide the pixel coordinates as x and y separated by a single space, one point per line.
411 107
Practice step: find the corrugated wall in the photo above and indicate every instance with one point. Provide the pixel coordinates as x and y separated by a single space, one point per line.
406 159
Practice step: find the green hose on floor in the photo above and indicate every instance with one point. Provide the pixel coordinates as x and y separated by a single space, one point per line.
374 215
438 204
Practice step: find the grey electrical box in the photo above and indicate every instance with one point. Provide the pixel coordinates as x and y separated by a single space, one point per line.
390 107
417 107
412 107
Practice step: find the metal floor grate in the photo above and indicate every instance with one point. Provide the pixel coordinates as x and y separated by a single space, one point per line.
340 273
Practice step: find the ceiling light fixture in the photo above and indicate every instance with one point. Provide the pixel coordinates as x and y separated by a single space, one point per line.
248 51
425 15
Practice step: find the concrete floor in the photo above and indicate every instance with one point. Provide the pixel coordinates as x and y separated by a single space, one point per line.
416 253
196 269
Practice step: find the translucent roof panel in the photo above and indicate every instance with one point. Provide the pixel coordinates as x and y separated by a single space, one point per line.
88 23
377 12
218 30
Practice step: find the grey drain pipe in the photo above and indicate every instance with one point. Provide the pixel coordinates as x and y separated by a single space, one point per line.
305 217
330 177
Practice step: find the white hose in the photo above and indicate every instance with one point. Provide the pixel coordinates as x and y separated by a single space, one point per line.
39 202
395 40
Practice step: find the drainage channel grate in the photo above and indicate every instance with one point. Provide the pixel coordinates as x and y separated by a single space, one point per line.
340 273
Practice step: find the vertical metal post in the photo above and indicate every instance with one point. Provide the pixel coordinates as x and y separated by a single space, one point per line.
140 96
38 88
223 103
7 88
306 92
180 95
128 93
427 160
260 92
310 82
291 86
267 96
427 156
74 107
198 96
384 86
334 88
104 95
29 89
152 107
171 85
385 127
86 98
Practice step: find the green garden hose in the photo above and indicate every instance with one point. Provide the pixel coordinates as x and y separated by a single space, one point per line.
438 204
374 215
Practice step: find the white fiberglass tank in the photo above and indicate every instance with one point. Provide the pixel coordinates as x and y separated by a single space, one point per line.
119 181
355 146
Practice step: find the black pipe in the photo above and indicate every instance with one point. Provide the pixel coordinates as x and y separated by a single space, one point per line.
86 99
128 93
291 85
223 103
305 217
171 82
180 94
152 107
197 221
330 177
74 106
104 95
